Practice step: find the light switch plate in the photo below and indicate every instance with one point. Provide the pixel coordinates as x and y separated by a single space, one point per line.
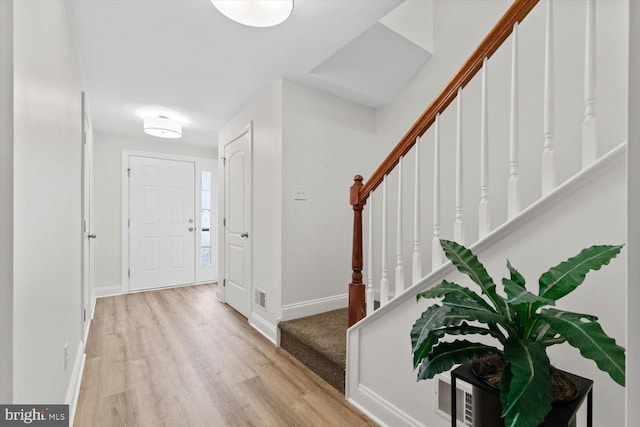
299 192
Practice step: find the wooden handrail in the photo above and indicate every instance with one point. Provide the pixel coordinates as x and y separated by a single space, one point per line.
498 34
360 193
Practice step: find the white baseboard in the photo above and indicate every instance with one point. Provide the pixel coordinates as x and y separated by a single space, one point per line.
268 330
73 392
385 412
316 306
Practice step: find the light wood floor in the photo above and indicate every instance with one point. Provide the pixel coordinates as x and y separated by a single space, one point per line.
178 357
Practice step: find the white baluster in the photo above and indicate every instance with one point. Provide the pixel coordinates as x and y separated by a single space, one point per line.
417 256
483 216
589 137
548 162
384 281
370 297
513 186
458 227
399 266
436 251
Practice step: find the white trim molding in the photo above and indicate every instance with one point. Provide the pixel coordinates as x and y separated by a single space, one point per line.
73 392
315 306
392 413
266 329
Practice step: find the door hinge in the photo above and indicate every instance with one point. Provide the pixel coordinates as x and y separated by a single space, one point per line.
129 273
224 282
129 222
129 172
224 222
84 315
224 161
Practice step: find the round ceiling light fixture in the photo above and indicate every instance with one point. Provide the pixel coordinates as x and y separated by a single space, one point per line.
162 127
255 13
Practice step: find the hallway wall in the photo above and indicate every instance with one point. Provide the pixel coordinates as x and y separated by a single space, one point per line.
47 232
6 207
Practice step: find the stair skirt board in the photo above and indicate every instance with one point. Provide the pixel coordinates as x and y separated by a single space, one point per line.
326 369
315 306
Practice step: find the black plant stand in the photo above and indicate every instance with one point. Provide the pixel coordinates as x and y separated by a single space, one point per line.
561 415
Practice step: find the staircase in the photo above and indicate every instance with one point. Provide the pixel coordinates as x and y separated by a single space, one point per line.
536 186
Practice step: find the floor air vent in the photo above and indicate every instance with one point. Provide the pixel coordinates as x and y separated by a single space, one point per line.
464 400
260 298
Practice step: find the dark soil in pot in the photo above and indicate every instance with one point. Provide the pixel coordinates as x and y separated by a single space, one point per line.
489 369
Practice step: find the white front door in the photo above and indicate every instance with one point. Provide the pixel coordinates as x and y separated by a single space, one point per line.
237 203
162 228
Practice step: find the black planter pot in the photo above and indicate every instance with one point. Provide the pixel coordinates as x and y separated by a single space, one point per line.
487 407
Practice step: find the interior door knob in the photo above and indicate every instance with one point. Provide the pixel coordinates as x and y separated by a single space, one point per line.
245 234
190 228
92 236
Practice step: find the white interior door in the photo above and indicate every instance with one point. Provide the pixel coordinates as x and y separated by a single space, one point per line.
162 228
86 219
237 202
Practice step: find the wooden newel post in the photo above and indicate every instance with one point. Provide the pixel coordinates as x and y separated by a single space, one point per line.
356 287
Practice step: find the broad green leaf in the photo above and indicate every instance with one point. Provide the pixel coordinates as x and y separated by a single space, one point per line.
543 332
568 275
587 336
524 310
505 385
435 335
519 295
445 355
432 318
515 275
462 305
528 398
466 262
447 288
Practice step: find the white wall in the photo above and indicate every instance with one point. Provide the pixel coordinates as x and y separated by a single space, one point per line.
633 178
6 195
303 137
265 112
106 249
47 233
594 213
326 141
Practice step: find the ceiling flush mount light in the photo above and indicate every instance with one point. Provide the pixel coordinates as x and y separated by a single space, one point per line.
162 127
255 13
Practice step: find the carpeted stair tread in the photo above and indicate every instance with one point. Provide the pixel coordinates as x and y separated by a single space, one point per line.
324 333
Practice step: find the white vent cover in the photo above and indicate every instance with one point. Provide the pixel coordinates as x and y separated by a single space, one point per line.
260 298
464 400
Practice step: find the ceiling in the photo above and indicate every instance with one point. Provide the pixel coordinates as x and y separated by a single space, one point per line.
184 60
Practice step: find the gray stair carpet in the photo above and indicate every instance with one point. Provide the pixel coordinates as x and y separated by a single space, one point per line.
319 342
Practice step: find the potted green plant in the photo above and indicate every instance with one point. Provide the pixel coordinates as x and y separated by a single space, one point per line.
522 324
